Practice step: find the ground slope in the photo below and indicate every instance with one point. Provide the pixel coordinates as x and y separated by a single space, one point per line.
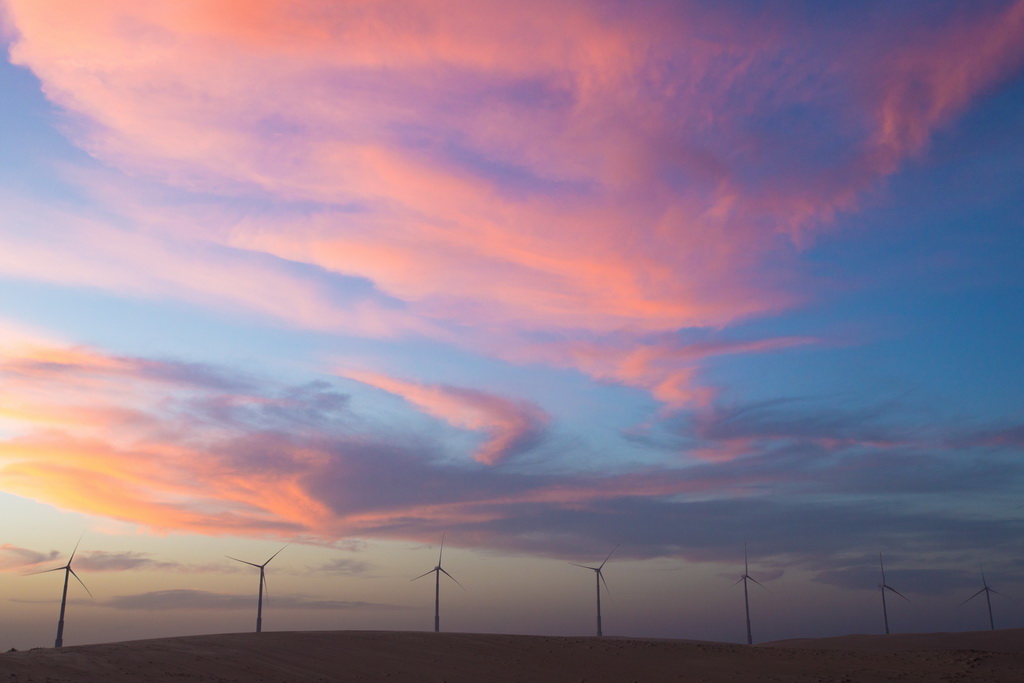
475 658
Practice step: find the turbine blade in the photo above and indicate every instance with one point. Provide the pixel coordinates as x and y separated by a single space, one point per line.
759 583
884 587
1002 595
266 586
452 578
275 555
424 574
741 580
606 589
242 561
601 566
584 566
882 566
441 551
80 581
76 548
972 597
46 571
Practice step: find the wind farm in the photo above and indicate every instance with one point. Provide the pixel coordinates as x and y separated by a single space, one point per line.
358 654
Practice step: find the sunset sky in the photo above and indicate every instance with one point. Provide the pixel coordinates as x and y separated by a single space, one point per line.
546 277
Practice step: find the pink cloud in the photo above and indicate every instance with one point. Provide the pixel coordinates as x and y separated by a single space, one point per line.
510 426
195 453
213 453
575 168
13 557
666 367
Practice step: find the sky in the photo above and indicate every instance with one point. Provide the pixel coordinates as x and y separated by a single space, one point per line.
546 278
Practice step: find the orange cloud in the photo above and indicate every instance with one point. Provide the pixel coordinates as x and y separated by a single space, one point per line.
173 446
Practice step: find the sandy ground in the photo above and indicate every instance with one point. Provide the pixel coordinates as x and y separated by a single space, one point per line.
460 657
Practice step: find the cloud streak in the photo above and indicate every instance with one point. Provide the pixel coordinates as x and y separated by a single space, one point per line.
303 470
511 427
13 557
626 172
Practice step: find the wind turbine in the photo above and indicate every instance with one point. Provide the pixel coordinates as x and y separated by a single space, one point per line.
437 571
746 597
263 582
986 590
884 587
598 579
68 571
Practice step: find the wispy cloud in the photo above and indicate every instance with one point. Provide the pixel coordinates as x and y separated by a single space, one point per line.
13 557
104 561
303 470
630 172
346 567
512 427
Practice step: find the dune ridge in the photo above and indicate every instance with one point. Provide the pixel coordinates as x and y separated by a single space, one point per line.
989 656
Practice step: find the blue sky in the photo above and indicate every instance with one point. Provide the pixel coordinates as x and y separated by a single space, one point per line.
673 279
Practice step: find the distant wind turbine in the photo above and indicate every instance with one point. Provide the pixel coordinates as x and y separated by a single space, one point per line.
68 571
437 571
263 583
886 587
986 590
746 597
598 579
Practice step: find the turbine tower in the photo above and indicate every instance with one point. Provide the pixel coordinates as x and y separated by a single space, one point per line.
884 587
68 571
988 598
598 579
437 571
746 597
263 583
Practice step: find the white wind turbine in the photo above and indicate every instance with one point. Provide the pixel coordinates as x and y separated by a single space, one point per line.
437 571
746 597
986 590
68 571
886 587
598 579
263 583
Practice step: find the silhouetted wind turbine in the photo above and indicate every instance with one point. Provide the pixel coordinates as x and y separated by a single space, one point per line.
884 587
263 582
986 590
64 596
746 597
437 571
598 579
